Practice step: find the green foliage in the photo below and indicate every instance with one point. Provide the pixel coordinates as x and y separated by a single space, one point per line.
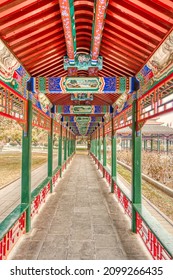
10 132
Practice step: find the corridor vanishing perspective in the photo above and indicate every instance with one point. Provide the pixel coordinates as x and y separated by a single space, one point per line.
86 131
81 221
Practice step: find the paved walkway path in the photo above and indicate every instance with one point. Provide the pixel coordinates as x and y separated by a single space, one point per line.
81 220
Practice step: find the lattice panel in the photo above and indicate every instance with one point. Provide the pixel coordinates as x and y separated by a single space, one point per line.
56 127
123 119
12 105
156 101
40 119
108 128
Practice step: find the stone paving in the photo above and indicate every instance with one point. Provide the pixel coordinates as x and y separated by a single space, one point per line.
81 221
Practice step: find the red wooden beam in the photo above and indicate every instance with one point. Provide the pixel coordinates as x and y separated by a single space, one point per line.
46 57
126 62
146 9
17 38
132 24
30 25
31 12
42 53
98 23
114 63
43 65
136 16
35 39
67 25
115 24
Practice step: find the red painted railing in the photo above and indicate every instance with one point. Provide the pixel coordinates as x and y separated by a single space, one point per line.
107 176
155 248
39 200
122 198
55 178
12 236
151 242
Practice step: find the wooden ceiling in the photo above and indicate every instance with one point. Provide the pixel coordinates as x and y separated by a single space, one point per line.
133 29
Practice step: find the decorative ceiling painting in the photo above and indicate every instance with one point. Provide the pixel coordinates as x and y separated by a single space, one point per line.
83 84
131 32
85 57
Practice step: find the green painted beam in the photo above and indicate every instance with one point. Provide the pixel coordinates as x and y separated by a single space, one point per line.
65 147
114 159
60 151
69 145
136 164
104 148
99 146
26 168
96 147
50 153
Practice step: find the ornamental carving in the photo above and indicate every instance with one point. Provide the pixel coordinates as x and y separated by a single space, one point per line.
44 102
83 61
119 103
162 58
158 67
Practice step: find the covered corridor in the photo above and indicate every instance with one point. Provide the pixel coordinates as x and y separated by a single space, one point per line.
81 221
70 70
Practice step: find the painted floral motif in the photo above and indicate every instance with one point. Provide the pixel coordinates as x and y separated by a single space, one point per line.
158 67
83 62
82 96
44 102
8 63
54 84
162 58
81 84
82 124
120 102
67 25
72 71
98 28
93 71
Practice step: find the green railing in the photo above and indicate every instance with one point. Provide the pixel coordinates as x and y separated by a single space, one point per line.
14 225
157 240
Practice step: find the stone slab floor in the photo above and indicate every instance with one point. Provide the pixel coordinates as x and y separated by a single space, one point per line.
81 221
